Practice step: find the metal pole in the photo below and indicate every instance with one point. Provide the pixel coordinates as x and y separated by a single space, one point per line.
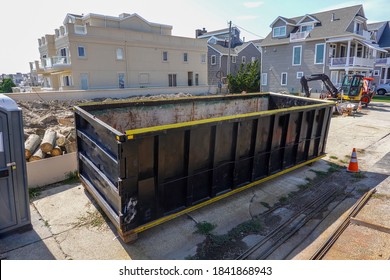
230 35
228 62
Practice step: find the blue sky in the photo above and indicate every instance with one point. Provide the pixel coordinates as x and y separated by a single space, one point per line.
28 20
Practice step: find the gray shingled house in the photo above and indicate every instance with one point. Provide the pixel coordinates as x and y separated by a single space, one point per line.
380 32
335 42
218 52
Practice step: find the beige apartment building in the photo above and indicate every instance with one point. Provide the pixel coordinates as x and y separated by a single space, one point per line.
103 52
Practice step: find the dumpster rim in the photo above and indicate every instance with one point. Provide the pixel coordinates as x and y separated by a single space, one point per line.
133 133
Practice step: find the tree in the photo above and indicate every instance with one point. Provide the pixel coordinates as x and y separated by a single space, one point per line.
6 85
247 78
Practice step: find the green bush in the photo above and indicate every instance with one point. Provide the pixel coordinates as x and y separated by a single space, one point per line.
247 78
6 85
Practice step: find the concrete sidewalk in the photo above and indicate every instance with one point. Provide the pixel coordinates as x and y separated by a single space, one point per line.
67 224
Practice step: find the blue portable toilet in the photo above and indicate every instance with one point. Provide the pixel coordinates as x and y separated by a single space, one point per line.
14 197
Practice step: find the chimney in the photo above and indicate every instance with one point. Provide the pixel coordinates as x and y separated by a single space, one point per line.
200 32
333 17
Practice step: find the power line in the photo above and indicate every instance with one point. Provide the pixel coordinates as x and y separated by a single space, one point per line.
249 31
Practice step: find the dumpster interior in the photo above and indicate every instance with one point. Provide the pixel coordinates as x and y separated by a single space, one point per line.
125 116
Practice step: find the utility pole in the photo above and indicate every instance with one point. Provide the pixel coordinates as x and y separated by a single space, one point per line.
230 35
228 61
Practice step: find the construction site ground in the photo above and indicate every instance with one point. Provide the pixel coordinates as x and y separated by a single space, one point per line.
66 224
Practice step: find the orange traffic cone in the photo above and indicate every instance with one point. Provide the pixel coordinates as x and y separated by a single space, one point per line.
353 164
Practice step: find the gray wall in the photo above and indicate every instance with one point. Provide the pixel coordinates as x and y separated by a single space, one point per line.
278 59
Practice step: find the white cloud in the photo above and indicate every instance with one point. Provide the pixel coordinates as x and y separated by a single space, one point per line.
253 4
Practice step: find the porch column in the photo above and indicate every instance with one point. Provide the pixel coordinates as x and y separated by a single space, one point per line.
348 53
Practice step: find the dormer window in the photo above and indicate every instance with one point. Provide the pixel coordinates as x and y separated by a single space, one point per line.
279 31
358 27
307 28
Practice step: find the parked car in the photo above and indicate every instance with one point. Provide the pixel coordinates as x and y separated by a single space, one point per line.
382 89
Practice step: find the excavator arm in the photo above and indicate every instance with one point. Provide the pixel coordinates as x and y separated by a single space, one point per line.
316 77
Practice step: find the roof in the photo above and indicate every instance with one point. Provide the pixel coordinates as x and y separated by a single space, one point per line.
243 46
375 26
233 51
217 33
384 41
326 28
222 50
286 20
122 17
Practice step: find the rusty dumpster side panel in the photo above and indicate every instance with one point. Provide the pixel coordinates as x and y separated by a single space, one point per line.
145 175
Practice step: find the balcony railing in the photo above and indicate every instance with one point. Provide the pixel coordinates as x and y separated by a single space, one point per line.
80 29
383 61
353 61
55 64
299 36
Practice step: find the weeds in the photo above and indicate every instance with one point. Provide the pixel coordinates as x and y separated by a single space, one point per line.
251 226
71 178
92 219
319 173
359 175
283 199
265 204
333 168
204 228
34 193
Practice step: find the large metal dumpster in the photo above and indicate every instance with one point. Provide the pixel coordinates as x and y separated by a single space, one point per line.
146 162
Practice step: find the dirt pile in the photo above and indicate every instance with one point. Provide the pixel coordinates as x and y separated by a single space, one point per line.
40 116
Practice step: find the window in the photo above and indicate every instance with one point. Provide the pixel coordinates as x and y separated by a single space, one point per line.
359 52
283 79
279 31
299 75
66 81
343 50
213 59
243 59
264 77
185 57
81 51
172 80
332 50
165 56
320 54
297 53
234 59
203 58
376 72
305 28
197 79
358 28
253 59
121 80
119 54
